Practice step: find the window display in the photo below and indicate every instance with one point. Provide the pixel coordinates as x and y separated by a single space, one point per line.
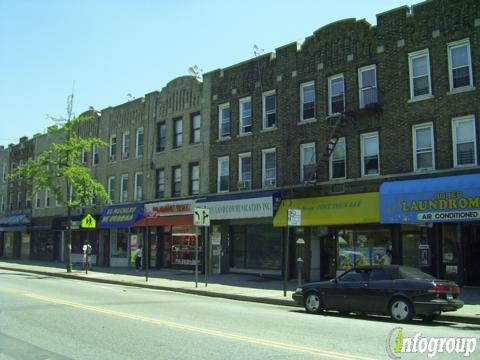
184 249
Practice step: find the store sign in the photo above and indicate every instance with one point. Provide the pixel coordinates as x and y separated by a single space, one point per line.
120 216
169 208
240 209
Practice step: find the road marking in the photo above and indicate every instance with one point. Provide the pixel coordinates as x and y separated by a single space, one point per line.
189 328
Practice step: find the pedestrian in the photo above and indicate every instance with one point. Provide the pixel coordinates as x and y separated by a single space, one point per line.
387 258
138 258
87 251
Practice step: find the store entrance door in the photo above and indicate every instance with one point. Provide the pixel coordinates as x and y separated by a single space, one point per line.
328 255
471 252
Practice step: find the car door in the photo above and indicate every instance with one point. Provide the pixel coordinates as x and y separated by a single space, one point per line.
379 291
352 290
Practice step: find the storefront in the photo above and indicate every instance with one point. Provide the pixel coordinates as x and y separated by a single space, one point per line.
44 240
439 224
119 237
172 237
16 236
242 238
339 232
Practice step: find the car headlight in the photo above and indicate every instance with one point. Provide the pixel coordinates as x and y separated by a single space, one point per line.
299 290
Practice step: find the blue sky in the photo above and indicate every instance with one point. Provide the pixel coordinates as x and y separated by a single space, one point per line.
106 49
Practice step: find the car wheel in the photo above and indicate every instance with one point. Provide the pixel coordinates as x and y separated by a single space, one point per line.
313 303
430 317
401 310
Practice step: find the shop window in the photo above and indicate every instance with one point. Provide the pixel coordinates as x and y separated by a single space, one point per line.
412 238
119 243
184 249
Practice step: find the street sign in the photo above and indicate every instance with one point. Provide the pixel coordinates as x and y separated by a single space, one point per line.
294 217
88 222
201 217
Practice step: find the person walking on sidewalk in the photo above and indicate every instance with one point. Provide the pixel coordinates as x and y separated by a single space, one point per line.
138 258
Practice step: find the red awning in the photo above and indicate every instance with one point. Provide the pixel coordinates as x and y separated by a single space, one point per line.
166 220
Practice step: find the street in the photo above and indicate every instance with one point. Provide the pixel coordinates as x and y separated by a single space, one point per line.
45 317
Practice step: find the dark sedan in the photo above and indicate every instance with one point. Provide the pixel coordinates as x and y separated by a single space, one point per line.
399 291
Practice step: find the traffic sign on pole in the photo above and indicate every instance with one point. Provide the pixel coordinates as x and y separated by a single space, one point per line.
201 217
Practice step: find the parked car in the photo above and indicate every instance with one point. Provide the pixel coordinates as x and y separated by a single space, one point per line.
399 291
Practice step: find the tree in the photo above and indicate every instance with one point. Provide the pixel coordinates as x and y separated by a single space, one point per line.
60 170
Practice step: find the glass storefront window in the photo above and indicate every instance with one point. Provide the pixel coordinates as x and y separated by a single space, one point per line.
412 237
357 247
451 244
119 243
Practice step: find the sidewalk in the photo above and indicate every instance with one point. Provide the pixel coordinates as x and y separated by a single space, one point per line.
242 287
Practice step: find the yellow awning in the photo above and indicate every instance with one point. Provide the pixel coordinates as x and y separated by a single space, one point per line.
332 210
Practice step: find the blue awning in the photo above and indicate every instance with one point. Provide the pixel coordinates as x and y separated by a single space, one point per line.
13 220
442 199
120 216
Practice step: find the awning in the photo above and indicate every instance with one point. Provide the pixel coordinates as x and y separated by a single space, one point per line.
441 199
120 216
19 228
332 210
166 220
12 220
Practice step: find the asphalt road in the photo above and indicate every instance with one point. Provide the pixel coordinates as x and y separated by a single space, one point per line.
54 318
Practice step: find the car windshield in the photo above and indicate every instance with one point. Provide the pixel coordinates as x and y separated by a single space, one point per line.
406 272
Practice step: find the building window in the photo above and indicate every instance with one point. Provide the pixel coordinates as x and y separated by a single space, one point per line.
124 188
307 162
223 174
48 200
195 126
177 132
223 121
84 157
126 145
370 154
37 201
2 204
269 168
161 136
245 109
423 147
111 188
459 65
338 160
269 112
176 181
464 141
139 143
307 101
94 154
194 183
19 200
244 171
160 188
28 199
336 94
367 83
419 65
112 153
138 186
4 172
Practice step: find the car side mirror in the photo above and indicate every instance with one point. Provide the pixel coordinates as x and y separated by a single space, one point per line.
334 280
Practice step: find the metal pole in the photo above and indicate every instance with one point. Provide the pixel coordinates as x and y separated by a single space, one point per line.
207 267
196 261
147 252
285 272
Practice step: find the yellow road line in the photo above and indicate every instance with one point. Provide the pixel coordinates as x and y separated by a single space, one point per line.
189 328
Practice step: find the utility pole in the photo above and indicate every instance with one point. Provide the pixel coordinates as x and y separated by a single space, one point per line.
69 190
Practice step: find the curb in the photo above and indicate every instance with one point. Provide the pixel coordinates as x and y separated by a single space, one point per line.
262 300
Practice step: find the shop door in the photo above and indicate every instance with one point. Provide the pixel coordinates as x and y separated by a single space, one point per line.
328 257
17 245
314 259
471 251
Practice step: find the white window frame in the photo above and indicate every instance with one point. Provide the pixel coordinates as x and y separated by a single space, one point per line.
95 152
240 167
340 141
241 129
361 88
302 101
47 196
38 202
450 47
194 130
417 151
221 122
137 143
330 94
157 172
123 198
177 136
111 179
176 170
125 154
219 173
264 110
84 157
137 196
364 137
411 57
303 147
192 179
266 152
463 119
19 200
112 154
